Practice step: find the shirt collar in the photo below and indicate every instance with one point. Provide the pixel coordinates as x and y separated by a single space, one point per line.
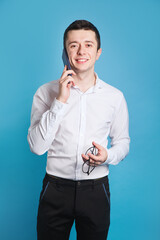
93 89
98 84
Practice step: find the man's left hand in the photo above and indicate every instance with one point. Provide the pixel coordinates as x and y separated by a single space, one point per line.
99 158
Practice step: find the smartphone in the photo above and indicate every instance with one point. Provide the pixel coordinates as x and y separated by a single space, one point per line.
66 60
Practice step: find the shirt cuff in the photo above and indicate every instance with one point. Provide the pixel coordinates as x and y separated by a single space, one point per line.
57 107
109 158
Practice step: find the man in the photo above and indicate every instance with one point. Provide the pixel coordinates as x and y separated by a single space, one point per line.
71 119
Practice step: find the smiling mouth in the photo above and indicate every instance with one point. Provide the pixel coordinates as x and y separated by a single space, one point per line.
81 60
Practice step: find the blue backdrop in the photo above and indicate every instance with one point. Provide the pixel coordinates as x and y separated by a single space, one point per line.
30 55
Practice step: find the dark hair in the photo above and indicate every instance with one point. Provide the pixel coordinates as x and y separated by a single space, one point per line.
82 24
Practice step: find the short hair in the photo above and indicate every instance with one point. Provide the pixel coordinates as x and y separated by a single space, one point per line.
82 24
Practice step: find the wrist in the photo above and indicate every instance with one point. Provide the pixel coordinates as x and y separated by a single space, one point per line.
61 100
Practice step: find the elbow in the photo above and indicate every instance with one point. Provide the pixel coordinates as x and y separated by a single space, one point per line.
128 147
125 146
35 148
125 150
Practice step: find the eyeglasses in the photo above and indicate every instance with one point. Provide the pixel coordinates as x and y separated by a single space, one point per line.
87 167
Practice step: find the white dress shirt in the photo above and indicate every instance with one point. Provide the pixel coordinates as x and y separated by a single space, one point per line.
66 130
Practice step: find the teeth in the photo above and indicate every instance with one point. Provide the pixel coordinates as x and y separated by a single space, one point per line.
81 60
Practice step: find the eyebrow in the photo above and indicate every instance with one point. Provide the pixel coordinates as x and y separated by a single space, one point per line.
87 41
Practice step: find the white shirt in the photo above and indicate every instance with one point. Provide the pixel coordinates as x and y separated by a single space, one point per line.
66 130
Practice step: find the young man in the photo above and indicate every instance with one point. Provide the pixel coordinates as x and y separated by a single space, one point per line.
71 119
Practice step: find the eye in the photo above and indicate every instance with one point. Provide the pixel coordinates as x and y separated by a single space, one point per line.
73 46
88 45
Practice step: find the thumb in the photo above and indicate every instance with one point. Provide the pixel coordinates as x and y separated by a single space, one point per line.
99 147
69 85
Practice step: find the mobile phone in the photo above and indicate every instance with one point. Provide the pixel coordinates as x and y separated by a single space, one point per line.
66 60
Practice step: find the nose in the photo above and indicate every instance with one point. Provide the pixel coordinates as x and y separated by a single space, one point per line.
81 50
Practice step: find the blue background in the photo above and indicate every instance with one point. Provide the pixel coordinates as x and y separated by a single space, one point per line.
31 34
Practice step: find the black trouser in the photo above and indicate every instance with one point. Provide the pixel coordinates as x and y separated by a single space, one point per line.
62 201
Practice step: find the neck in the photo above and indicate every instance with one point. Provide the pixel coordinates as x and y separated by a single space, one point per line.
85 80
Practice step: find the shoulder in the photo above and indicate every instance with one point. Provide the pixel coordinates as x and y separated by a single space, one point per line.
47 88
113 97
48 91
110 90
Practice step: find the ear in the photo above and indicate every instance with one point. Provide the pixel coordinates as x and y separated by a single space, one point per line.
98 53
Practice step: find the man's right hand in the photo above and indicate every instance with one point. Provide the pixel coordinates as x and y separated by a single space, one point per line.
65 83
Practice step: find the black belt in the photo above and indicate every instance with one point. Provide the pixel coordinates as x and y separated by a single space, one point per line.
76 182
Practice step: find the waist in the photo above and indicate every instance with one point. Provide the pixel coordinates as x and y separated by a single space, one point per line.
70 182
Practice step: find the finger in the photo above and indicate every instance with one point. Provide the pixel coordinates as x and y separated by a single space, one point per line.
96 163
70 71
61 80
70 83
99 147
67 72
94 157
93 163
85 157
67 80
65 68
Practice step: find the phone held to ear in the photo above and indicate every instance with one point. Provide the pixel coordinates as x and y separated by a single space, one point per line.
66 60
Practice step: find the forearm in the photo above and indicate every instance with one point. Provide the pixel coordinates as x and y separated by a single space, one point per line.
42 132
118 152
119 135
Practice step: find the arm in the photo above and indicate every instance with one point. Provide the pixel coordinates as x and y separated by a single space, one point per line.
44 124
119 139
45 120
119 134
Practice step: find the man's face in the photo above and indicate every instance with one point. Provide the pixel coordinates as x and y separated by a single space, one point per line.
82 51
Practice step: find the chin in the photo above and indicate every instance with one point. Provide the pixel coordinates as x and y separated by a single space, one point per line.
82 68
